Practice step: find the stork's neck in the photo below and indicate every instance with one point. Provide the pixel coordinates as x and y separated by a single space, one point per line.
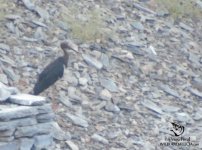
65 57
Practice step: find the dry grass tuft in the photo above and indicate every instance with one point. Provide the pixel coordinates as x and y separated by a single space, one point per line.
181 8
87 26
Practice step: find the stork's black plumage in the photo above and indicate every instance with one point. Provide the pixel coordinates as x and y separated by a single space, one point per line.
52 72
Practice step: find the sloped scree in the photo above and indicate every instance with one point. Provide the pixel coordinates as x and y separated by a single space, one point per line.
118 92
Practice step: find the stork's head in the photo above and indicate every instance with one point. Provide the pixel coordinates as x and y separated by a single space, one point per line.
67 46
64 47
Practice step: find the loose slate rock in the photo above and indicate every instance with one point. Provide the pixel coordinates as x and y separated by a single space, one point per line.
9 146
78 120
112 108
4 94
71 145
197 83
27 99
29 5
58 133
10 74
170 91
43 141
3 78
42 12
135 48
138 26
105 60
167 108
99 138
184 117
17 123
109 84
26 144
19 112
30 131
83 81
195 92
4 47
152 106
92 61
105 95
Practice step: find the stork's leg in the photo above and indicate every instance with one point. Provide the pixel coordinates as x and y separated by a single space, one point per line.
53 95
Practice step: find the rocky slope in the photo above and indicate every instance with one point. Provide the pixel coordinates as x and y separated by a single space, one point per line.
118 92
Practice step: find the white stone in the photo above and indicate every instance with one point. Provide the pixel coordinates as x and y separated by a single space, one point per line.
105 95
83 81
27 99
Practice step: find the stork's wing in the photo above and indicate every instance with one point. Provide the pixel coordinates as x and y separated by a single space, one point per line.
51 68
49 76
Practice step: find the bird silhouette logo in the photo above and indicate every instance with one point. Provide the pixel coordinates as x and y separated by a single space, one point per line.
177 129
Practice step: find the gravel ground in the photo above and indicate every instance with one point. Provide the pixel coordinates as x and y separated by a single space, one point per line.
123 89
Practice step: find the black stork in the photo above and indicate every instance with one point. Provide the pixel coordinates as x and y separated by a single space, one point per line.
53 71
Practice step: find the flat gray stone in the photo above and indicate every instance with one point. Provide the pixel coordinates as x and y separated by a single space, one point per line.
72 145
9 146
4 94
10 74
109 84
99 138
41 118
135 48
105 60
58 133
28 4
30 131
198 115
138 26
43 141
78 120
112 108
6 91
92 61
12 17
11 28
170 91
186 27
167 108
17 123
42 12
184 117
194 59
41 24
18 112
7 139
26 143
46 108
4 47
65 101
105 95
197 83
3 78
62 25
152 106
7 132
195 92
83 81
27 99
